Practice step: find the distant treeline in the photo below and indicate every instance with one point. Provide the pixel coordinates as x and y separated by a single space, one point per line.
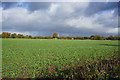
55 36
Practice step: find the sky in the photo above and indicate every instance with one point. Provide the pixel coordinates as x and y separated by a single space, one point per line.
64 18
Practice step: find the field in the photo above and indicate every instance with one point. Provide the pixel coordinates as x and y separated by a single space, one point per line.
35 58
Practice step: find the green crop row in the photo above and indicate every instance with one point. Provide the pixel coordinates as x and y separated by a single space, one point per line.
28 58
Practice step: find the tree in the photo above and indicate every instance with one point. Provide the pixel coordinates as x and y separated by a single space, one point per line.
49 37
6 35
55 35
86 37
39 37
13 35
61 37
20 36
27 36
30 36
110 37
96 37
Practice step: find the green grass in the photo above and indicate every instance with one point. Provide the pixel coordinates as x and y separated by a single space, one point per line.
32 58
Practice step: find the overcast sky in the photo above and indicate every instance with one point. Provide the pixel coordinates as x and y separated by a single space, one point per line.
64 18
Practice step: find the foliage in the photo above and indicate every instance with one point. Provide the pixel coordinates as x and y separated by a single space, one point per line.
113 38
6 35
13 35
108 69
20 36
55 35
48 37
96 37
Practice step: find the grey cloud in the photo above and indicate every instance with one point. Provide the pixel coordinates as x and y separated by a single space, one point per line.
32 6
96 7
7 5
67 19
38 5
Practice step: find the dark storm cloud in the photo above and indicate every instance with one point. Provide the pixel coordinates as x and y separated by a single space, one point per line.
38 5
96 7
93 7
7 5
67 19
32 6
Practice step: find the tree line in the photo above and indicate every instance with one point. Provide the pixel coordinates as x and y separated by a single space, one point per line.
55 36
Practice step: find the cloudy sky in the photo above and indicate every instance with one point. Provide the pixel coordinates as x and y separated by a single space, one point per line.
64 18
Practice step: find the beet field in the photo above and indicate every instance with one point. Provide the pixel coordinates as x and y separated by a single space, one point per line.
47 58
